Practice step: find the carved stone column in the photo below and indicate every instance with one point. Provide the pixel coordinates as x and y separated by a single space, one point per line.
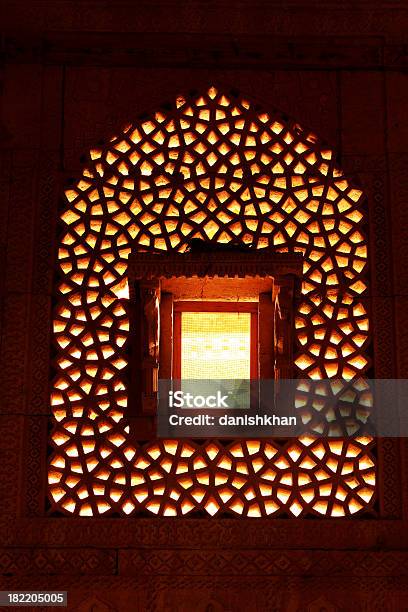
284 327
149 292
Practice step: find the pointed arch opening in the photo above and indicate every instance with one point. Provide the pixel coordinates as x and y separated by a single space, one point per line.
218 169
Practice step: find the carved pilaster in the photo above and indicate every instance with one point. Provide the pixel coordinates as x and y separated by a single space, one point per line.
284 330
149 295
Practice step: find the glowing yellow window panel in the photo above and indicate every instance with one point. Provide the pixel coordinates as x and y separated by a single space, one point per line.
215 345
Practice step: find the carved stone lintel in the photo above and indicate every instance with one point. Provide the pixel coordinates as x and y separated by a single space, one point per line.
261 262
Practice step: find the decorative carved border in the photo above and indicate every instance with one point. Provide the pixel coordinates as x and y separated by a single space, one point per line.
372 173
165 532
250 51
158 593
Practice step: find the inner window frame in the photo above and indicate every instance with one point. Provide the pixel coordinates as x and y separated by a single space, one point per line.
216 306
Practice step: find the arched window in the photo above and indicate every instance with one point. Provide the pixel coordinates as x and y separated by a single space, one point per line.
217 168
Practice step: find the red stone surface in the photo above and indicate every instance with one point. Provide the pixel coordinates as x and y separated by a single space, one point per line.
70 78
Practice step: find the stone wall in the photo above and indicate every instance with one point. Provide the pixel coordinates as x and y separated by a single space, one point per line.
72 73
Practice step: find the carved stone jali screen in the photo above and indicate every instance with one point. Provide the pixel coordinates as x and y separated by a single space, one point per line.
218 169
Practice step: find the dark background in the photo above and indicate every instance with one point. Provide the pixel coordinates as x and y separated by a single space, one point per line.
71 73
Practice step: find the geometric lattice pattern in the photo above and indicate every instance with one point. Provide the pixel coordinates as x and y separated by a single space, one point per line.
217 169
